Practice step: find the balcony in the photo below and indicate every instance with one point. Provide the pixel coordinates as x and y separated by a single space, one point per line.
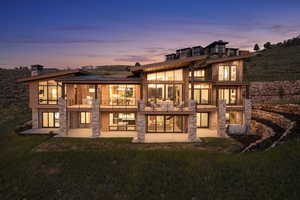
82 104
167 106
126 103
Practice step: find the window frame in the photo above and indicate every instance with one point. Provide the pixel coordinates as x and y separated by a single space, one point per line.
200 119
46 88
164 94
230 72
164 76
182 125
117 126
54 119
229 92
87 117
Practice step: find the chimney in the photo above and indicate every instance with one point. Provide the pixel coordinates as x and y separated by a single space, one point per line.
36 70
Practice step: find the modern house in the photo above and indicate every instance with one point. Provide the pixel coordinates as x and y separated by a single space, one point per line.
197 92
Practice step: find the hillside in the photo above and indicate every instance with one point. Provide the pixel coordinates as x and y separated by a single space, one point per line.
280 63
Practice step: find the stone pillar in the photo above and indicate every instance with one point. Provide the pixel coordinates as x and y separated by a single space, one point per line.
247 112
192 128
62 109
35 118
141 104
141 128
221 118
95 123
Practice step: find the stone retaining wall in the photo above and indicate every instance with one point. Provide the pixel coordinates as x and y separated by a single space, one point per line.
284 108
274 91
277 119
261 129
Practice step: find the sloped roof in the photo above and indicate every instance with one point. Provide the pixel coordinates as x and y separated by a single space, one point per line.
50 75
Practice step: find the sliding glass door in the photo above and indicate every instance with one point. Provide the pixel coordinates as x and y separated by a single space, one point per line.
165 123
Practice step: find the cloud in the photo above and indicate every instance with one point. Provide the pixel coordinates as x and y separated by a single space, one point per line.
283 29
131 58
78 28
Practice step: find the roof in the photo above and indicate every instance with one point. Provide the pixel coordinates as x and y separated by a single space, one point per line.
97 78
216 42
50 75
170 64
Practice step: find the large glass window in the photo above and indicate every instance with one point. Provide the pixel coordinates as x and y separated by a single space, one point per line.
202 120
122 122
85 117
201 93
227 73
122 94
165 123
163 92
229 95
198 74
172 75
50 119
49 92
232 117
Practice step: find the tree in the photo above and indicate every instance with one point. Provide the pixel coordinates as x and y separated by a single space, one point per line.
256 47
268 45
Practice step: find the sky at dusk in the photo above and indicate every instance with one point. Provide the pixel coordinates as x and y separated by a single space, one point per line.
65 33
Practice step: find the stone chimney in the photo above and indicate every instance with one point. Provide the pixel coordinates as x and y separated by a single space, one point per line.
36 70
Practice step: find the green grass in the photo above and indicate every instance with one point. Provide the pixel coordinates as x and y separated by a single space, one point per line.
129 173
274 64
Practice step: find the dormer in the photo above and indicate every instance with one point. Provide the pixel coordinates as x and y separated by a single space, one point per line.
216 48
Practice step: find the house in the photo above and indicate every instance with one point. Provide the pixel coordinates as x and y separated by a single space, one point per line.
197 92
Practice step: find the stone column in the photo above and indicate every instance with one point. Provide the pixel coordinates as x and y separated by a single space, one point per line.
222 118
140 123
35 118
192 123
247 113
141 128
95 123
62 109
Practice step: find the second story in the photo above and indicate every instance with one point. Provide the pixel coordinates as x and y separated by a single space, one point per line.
204 75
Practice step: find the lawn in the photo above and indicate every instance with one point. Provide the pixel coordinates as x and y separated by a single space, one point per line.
42 167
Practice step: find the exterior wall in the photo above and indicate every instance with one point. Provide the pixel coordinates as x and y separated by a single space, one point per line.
104 120
33 94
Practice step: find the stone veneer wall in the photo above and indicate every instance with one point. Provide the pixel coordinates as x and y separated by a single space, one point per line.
277 119
282 108
274 91
192 122
221 118
35 118
247 112
95 123
140 123
62 109
261 129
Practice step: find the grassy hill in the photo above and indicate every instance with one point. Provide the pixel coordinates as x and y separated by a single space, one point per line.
280 63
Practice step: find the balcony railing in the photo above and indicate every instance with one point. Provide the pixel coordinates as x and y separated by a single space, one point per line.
130 103
83 103
167 106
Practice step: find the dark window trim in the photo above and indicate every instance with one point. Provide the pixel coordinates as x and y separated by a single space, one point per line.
42 120
208 118
45 87
85 113
164 94
164 123
118 127
230 67
236 93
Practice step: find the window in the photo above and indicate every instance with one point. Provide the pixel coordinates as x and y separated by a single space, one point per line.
165 123
229 95
122 94
198 74
85 117
231 117
122 122
227 73
49 92
50 119
163 92
202 120
201 93
172 75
